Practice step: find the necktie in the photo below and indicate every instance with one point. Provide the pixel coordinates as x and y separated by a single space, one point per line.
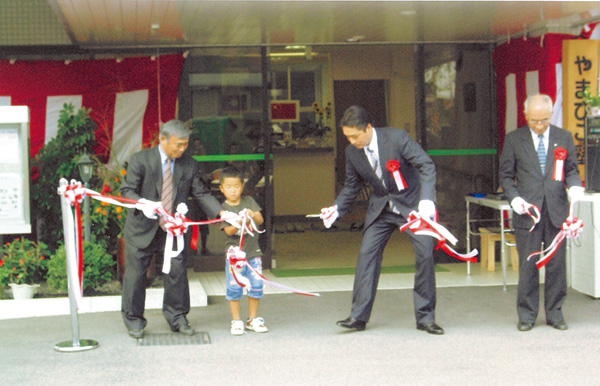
374 162
166 196
541 152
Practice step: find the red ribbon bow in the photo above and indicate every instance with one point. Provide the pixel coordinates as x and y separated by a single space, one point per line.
571 228
424 226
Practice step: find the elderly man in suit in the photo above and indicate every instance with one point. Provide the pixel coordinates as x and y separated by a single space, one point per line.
162 173
366 157
526 176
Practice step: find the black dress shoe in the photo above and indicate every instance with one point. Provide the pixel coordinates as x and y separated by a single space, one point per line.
560 325
136 334
352 324
185 329
431 328
524 326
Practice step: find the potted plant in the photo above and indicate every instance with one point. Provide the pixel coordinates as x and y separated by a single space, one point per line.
23 266
591 101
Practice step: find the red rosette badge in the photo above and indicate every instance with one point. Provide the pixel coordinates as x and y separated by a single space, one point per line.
560 155
393 167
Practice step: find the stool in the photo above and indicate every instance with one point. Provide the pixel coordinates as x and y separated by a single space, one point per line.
488 249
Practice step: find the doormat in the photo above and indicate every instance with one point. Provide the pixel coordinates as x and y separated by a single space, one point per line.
344 271
174 339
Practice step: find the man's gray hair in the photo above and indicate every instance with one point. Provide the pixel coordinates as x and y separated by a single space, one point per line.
175 128
544 97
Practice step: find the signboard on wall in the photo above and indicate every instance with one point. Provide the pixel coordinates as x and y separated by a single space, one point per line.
14 170
580 71
285 111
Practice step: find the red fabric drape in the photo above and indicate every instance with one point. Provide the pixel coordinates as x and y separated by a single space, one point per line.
519 57
98 81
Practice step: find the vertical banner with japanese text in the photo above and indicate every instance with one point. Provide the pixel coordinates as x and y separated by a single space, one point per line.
580 71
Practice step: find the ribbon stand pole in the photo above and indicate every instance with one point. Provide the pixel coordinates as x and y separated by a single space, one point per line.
75 344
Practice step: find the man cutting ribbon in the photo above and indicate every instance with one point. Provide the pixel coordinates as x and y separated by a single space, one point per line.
393 198
161 176
538 162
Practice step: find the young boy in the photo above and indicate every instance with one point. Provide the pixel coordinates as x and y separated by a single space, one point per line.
232 185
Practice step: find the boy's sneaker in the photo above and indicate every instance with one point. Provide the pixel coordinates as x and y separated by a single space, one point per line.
257 325
237 327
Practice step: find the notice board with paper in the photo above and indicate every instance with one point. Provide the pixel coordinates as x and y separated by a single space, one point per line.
14 170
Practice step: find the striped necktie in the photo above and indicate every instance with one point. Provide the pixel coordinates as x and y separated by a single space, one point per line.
166 196
541 152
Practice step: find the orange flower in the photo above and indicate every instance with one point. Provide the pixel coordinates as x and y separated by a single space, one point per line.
21 262
98 209
102 203
118 209
123 172
104 212
117 180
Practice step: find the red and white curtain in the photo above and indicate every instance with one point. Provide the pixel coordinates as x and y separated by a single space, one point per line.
128 97
528 66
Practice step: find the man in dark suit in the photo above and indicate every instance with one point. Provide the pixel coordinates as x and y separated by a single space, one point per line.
526 176
366 157
144 237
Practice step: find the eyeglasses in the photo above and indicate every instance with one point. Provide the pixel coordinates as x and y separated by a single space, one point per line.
538 122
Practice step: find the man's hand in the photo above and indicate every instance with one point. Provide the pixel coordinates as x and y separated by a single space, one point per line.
576 193
519 206
148 207
426 208
329 215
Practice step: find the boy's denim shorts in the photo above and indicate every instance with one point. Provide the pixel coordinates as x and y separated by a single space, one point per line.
234 291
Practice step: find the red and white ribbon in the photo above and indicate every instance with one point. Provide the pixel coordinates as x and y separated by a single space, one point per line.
74 194
393 167
237 260
424 226
534 212
560 155
571 228
175 225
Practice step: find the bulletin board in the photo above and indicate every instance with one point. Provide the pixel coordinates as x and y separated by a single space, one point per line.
14 170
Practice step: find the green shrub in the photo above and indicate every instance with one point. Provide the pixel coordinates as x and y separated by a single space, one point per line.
98 268
56 160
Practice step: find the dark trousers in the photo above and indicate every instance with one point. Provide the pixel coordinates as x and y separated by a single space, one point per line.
368 269
176 300
555 284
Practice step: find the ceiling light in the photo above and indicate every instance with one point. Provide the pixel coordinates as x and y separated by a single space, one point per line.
355 39
281 54
155 26
408 13
295 47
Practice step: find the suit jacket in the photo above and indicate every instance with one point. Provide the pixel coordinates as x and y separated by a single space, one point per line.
521 174
416 167
144 180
